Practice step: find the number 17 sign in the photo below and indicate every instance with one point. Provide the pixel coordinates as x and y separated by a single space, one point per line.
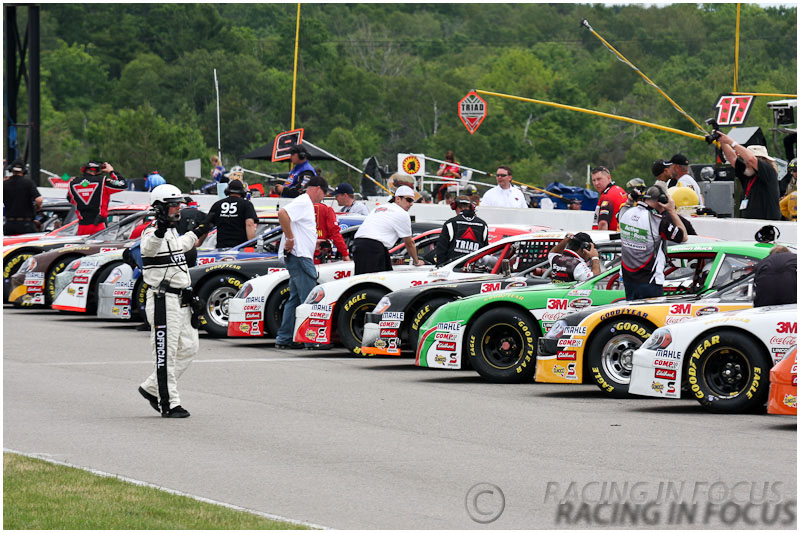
472 111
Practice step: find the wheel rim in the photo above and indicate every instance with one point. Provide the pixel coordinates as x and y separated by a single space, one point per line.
727 372
217 305
617 357
503 345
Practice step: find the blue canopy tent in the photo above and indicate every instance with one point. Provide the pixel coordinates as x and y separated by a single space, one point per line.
588 198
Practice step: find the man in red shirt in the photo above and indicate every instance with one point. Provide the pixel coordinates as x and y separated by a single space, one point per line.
612 197
90 194
328 230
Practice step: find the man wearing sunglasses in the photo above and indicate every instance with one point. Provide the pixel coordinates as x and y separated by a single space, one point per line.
503 194
612 197
379 232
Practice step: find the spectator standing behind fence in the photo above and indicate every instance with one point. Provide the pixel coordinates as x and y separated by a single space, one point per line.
504 194
21 200
758 176
612 197
345 197
447 171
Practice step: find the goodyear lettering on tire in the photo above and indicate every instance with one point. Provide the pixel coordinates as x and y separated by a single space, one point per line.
692 372
529 346
633 328
16 260
235 282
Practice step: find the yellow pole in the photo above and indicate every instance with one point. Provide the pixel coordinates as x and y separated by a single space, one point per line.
294 80
598 113
777 95
736 50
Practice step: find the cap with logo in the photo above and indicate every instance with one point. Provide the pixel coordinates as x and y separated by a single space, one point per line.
679 159
343 188
659 166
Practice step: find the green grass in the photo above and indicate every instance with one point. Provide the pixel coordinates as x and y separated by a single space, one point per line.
41 495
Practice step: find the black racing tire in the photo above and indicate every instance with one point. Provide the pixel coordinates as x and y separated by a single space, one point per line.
10 267
55 269
139 300
214 296
273 311
609 355
728 372
420 316
350 323
501 345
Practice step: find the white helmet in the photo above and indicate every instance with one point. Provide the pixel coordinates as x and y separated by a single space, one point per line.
166 194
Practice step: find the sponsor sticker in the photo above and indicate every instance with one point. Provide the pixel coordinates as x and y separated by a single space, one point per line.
449 326
316 322
389 324
252 315
669 354
441 336
663 373
122 301
252 308
392 315
255 299
82 280
663 363
490 287
123 292
658 387
446 346
566 356
575 330
580 303
388 333
570 342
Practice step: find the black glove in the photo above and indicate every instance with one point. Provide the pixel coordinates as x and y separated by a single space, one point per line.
162 224
201 229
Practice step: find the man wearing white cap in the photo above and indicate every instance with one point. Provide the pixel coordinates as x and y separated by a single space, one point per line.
758 177
379 232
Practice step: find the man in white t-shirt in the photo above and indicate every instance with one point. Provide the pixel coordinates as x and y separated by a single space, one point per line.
297 246
680 172
504 194
380 230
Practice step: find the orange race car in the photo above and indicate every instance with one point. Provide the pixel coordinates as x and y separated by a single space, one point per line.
783 386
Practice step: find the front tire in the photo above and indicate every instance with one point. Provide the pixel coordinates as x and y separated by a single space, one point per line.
610 355
728 372
56 268
502 346
214 296
273 311
420 317
352 314
10 267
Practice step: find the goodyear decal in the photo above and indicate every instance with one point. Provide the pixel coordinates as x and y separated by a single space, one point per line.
625 311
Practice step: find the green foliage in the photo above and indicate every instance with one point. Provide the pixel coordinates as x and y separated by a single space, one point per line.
135 82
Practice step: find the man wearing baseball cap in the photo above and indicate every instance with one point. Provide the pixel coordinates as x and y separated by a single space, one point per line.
680 172
90 194
345 197
234 216
758 176
21 200
379 232
462 234
662 171
299 175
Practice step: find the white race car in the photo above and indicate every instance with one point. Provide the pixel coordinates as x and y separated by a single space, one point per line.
341 306
723 360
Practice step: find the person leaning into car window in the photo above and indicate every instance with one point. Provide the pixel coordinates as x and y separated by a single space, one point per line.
574 259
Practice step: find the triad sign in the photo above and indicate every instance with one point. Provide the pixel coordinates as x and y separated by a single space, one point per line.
472 111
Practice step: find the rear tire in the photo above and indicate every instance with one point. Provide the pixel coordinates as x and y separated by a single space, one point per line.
352 314
273 311
731 375
501 345
609 357
214 297
56 268
422 314
10 268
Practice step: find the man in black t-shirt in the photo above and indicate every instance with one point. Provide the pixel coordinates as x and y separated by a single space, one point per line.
775 280
462 234
759 179
234 217
21 200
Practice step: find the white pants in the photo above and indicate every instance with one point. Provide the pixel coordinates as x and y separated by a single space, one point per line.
181 343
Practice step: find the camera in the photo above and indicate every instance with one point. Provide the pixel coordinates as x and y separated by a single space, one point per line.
714 135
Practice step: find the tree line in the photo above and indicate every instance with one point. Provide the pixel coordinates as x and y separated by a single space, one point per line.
133 83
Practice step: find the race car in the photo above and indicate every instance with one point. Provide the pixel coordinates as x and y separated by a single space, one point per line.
219 274
358 295
55 214
498 333
722 359
257 309
527 265
597 344
783 386
33 283
19 248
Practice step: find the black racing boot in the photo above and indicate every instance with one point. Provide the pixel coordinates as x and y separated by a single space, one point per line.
176 412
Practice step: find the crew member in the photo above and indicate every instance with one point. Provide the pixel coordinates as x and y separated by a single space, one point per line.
299 175
234 217
575 258
612 197
345 197
758 176
169 297
21 200
91 192
775 279
462 234
644 231
680 173
381 229
328 231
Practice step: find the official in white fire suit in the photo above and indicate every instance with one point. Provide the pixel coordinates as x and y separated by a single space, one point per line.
174 340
